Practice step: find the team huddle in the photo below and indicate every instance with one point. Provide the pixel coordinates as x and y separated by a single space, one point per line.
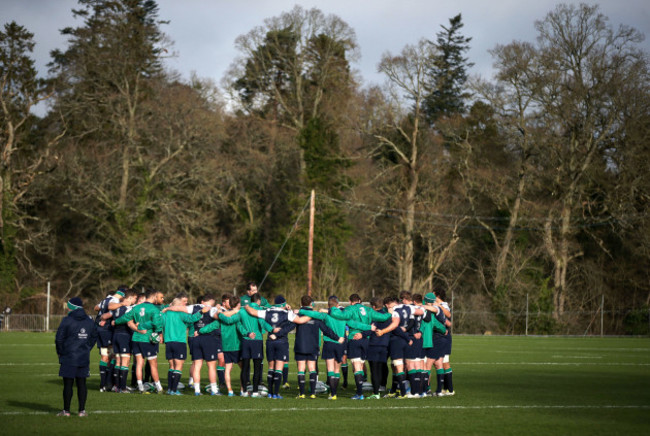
412 330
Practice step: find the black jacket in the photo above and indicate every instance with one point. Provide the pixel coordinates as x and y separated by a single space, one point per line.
75 337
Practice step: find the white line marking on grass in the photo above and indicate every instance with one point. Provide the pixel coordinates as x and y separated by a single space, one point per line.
338 409
562 356
27 364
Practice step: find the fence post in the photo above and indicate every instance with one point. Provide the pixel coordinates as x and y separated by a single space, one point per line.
602 314
526 314
47 311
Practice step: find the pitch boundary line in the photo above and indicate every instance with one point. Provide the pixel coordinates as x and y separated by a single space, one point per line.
337 409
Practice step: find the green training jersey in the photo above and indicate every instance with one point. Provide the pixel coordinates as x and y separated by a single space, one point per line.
338 325
246 300
229 335
358 312
175 325
147 316
251 324
428 327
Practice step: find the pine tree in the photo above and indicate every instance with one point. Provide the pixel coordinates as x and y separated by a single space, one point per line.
447 71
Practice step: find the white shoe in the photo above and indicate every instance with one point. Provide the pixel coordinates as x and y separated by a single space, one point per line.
255 395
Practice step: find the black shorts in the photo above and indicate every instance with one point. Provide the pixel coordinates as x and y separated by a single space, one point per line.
231 356
175 350
69 371
252 349
333 350
377 353
414 351
145 349
276 350
190 341
358 349
397 348
428 353
122 343
219 344
300 357
204 348
104 337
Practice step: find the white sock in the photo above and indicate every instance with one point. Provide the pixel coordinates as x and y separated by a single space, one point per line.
140 386
158 385
214 387
197 388
191 382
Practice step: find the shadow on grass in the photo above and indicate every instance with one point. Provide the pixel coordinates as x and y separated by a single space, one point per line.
32 406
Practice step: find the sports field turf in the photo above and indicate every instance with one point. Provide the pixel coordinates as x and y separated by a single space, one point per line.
504 385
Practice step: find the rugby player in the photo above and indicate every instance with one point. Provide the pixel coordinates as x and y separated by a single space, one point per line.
306 345
280 318
122 341
251 289
146 322
358 341
430 324
333 351
251 330
175 325
105 337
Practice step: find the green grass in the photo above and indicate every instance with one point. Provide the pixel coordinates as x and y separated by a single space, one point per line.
505 385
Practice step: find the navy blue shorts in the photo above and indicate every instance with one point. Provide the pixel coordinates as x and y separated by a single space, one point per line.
175 350
414 351
219 344
358 349
377 353
145 349
299 357
68 371
252 349
104 337
204 348
429 354
231 356
122 343
276 350
190 341
333 350
439 347
397 348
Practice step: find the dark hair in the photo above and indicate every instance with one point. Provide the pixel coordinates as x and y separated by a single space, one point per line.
376 302
306 300
249 285
130 293
234 301
405 295
417 298
255 297
442 294
226 296
332 301
181 295
150 292
390 299
355 298
207 297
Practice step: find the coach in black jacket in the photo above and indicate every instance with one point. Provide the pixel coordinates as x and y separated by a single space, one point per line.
75 337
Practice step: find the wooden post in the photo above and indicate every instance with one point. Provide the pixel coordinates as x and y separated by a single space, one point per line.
310 255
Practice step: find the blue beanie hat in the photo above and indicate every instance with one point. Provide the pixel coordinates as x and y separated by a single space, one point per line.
280 300
75 303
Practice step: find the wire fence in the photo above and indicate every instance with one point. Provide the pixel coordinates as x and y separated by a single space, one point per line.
600 322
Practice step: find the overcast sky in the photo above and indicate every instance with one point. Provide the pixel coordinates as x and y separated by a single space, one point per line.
204 31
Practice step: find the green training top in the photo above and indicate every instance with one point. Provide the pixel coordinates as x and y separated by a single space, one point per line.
358 312
428 327
147 316
229 335
246 300
338 325
251 324
175 325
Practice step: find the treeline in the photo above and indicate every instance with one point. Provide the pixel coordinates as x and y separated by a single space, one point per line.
532 184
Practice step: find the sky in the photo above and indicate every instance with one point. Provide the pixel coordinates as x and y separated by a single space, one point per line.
204 31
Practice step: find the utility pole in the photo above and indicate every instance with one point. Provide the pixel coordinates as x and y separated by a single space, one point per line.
310 255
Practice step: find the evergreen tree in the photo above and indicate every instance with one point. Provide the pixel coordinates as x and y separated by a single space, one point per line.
447 71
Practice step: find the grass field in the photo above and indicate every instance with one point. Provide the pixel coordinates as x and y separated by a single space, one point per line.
504 385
